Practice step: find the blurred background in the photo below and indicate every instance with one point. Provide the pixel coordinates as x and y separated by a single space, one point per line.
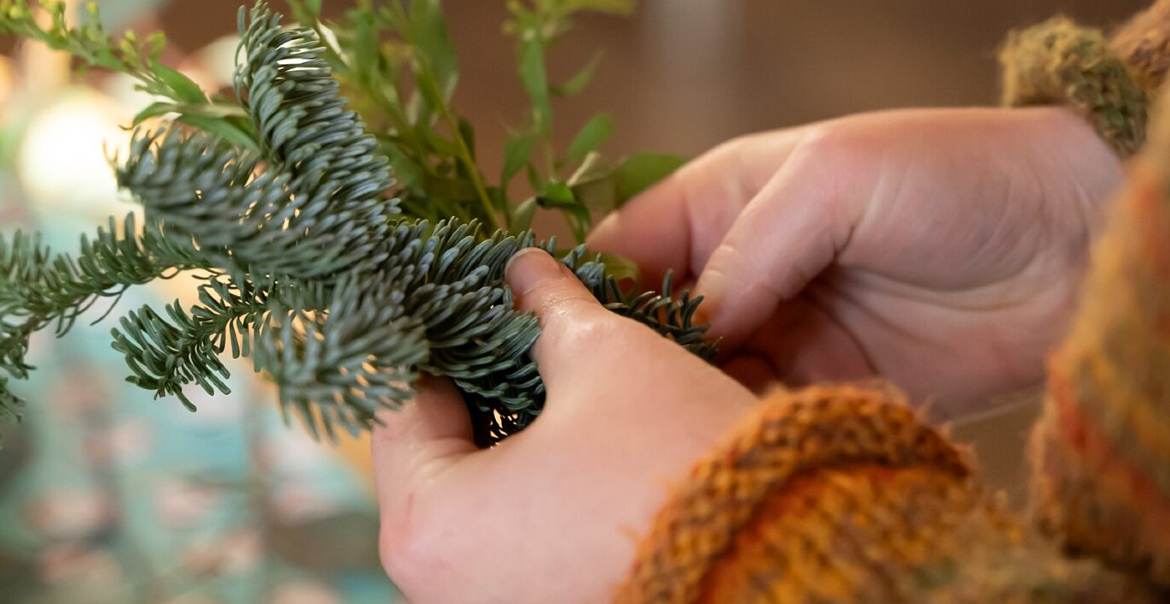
109 496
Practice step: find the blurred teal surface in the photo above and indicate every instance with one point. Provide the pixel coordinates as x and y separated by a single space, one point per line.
109 496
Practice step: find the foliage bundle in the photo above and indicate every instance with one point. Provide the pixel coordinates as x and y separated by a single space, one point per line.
339 283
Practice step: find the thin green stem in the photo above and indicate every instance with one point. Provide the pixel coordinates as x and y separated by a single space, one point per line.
469 165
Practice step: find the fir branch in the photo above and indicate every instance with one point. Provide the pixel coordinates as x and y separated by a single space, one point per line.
317 208
38 288
477 339
312 273
266 222
164 356
9 403
339 367
302 121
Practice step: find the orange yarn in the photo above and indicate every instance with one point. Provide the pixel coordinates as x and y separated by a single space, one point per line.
1059 62
821 427
839 494
1102 446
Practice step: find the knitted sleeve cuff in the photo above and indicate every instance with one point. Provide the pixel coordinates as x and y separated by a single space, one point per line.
839 494
688 555
1059 62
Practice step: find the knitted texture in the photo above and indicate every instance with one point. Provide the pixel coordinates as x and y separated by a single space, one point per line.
839 494
1102 447
1144 43
1058 62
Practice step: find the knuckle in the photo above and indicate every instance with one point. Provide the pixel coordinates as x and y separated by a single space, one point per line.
588 333
829 142
592 334
411 552
751 273
729 148
566 303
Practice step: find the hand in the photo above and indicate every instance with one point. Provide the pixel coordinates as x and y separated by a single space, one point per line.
941 249
551 514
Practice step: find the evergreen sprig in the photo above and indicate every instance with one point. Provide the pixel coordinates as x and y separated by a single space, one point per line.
39 288
310 267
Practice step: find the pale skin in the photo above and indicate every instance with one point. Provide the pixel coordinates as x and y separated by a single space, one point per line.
941 250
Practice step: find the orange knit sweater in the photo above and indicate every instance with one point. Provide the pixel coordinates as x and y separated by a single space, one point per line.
841 494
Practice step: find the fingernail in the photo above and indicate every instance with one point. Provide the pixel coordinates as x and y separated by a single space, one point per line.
531 268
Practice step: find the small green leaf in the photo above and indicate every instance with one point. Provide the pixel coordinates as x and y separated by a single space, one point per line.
432 40
155 110
522 219
613 7
580 80
557 194
222 128
242 123
419 109
640 171
155 43
534 180
589 138
364 49
216 110
593 184
620 267
406 171
535 78
467 132
184 89
430 92
233 113
436 142
449 189
517 153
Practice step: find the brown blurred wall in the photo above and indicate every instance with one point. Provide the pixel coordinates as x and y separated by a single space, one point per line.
683 75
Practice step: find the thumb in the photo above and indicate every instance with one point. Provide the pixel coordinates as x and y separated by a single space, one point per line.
564 306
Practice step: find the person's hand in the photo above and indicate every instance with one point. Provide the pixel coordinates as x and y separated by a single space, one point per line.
940 249
551 514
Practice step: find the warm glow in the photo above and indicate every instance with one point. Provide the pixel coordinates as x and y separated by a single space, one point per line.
63 156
